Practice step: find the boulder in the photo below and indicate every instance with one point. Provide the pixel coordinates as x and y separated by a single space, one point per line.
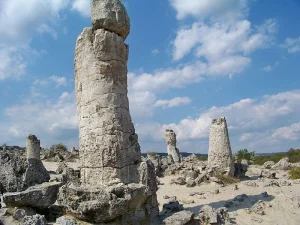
39 196
209 215
110 15
64 220
283 164
180 218
34 220
172 206
268 164
110 203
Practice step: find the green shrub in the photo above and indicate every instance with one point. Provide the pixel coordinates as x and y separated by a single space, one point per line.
152 154
244 154
295 173
202 158
227 179
59 147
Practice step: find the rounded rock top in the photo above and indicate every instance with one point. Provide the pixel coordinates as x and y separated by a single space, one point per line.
110 15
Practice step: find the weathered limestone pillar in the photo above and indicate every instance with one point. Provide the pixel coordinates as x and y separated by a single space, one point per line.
219 155
170 138
33 147
109 148
35 173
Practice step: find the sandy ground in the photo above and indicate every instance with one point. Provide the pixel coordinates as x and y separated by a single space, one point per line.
283 201
284 210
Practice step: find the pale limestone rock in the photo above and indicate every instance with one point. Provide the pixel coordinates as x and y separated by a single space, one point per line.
109 149
219 155
283 164
110 15
170 138
35 173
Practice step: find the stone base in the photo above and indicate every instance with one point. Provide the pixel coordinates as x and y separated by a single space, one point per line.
39 196
120 204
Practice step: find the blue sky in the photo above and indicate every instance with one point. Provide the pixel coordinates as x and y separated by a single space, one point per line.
190 62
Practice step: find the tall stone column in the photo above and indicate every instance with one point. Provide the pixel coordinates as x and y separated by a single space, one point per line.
33 147
35 173
220 159
170 138
109 149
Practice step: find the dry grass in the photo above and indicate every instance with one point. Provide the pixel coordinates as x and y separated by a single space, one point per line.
228 180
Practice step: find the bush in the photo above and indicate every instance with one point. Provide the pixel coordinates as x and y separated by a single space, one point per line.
244 154
202 158
292 154
295 173
227 179
59 147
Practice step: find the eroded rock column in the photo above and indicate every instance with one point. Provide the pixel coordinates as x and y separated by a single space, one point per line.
219 155
35 173
170 138
109 149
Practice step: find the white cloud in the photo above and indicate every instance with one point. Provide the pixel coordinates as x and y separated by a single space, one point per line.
269 68
175 102
12 62
60 81
49 120
82 6
242 116
45 28
155 51
291 132
292 44
208 8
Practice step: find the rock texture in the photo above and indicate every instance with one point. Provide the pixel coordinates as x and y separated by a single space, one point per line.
170 138
219 155
180 218
35 173
123 204
39 196
109 148
12 169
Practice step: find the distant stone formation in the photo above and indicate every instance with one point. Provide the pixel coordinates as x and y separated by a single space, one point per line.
220 159
35 173
170 138
109 148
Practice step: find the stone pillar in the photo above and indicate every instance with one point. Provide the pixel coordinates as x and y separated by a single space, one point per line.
33 147
109 148
35 173
220 159
170 138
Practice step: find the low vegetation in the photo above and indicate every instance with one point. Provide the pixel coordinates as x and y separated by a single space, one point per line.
295 173
202 158
227 179
59 147
292 154
244 154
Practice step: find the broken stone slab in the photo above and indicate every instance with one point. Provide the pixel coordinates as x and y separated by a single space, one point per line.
180 218
39 196
268 174
110 15
106 204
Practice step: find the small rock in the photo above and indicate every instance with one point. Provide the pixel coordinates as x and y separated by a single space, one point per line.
19 214
255 219
34 220
250 183
187 201
190 182
66 221
240 198
166 197
180 181
172 206
235 187
268 164
180 218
